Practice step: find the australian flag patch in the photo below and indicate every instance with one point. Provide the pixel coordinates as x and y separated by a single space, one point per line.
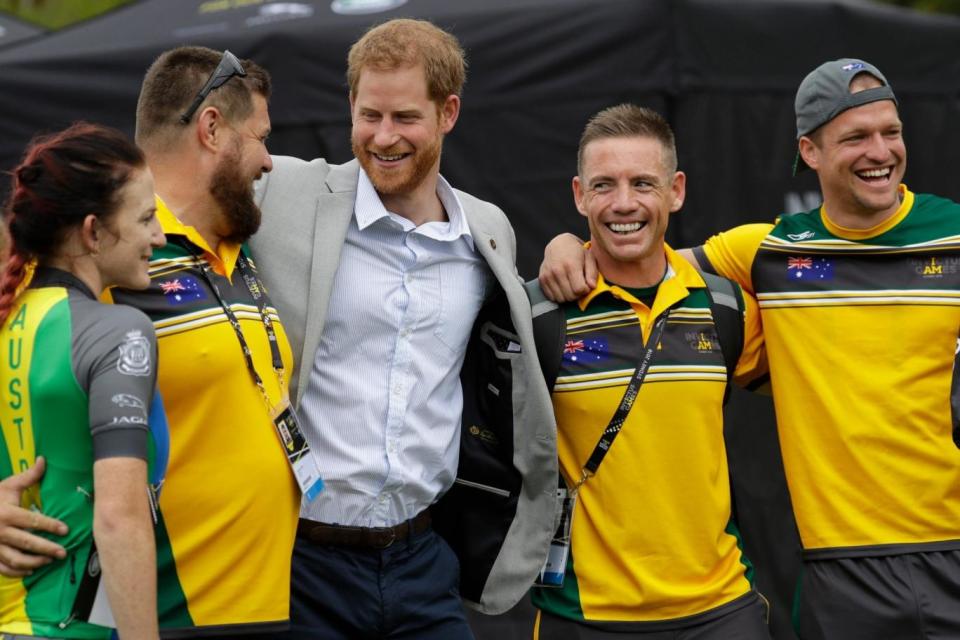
807 268
585 351
182 289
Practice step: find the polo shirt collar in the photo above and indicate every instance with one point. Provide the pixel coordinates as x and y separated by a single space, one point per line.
222 262
681 276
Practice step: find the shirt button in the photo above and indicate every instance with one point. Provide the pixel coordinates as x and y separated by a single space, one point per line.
493 243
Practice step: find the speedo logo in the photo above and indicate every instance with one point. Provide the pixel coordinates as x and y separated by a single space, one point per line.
797 237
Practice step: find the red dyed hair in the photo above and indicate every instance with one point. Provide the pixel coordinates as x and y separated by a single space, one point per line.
63 177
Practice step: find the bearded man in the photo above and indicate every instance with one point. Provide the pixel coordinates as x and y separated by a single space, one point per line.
223 541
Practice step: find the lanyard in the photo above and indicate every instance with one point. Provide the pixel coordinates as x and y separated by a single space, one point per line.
257 292
629 396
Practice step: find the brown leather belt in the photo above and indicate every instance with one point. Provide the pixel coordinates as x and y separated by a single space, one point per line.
362 537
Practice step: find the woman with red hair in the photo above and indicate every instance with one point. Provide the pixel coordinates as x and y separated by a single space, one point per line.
77 380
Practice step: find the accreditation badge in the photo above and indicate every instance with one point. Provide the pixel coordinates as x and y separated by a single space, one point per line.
302 461
554 569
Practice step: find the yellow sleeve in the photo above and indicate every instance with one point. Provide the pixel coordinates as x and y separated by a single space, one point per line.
731 252
752 364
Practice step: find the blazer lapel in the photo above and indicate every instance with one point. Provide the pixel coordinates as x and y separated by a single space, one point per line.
491 245
334 212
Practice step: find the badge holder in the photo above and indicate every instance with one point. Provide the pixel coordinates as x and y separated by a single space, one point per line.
301 459
555 568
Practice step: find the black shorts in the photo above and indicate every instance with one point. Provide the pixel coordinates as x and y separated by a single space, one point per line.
910 596
743 619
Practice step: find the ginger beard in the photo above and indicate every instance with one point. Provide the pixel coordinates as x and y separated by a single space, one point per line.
411 170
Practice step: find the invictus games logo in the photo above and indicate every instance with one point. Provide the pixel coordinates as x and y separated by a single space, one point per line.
701 341
253 285
934 267
134 355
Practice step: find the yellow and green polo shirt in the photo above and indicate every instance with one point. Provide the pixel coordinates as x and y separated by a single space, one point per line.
652 534
861 328
230 501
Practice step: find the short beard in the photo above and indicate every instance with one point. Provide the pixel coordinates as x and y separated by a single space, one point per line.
234 193
424 160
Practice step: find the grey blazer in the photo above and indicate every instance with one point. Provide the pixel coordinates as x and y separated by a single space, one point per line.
499 515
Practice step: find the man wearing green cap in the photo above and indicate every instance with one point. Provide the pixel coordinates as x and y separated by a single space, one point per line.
860 305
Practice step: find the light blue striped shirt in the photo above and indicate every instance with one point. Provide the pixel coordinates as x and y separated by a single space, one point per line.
383 402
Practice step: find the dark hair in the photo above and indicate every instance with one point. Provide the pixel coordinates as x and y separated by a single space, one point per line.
629 121
63 177
173 81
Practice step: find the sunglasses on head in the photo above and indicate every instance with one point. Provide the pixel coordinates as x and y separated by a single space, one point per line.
228 67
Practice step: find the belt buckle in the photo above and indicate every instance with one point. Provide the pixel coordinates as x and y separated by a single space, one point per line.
391 537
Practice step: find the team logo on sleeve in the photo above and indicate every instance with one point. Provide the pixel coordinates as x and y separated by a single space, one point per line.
807 268
128 400
134 355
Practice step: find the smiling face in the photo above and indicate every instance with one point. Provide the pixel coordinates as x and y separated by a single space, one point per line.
130 235
860 158
627 193
398 130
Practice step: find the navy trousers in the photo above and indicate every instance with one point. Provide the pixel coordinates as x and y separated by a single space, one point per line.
408 591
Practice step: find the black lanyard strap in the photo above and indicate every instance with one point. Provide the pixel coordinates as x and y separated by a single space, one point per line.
257 292
629 396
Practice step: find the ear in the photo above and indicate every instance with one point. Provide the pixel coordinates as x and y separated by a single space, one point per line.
579 195
449 112
809 152
90 233
678 190
210 128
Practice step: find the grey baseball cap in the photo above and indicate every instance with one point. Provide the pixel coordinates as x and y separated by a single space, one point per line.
825 93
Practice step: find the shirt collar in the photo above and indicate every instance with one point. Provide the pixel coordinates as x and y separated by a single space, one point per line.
51 276
906 204
368 209
681 276
222 262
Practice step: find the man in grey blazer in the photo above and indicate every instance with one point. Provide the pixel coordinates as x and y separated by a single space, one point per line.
403 306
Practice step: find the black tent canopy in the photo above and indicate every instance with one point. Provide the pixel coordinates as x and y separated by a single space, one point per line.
724 72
